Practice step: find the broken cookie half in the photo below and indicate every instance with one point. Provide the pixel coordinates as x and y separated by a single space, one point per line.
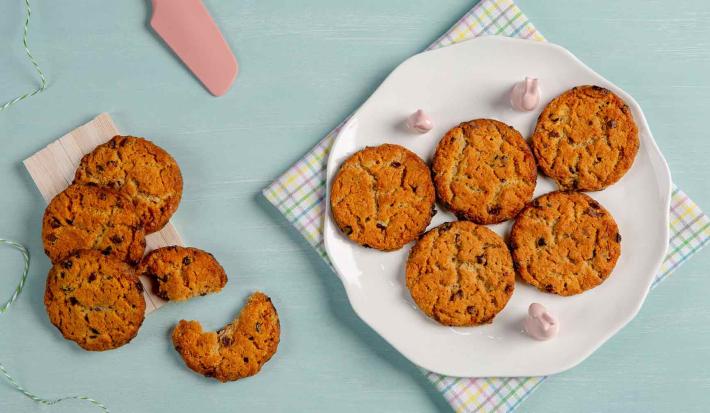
236 351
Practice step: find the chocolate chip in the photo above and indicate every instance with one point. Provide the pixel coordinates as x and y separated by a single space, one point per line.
66 264
116 239
73 300
95 331
549 288
611 124
348 230
102 195
536 203
187 261
54 223
508 289
226 341
594 205
51 238
541 242
396 164
572 170
457 295
246 359
481 259
381 226
112 144
119 203
366 245
203 294
471 309
100 168
107 250
494 210
593 212
209 373
258 327
554 119
445 226
618 237
92 277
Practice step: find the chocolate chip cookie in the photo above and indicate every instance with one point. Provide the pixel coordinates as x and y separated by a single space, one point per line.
94 300
565 243
460 274
89 217
585 139
140 169
383 197
236 351
182 272
484 171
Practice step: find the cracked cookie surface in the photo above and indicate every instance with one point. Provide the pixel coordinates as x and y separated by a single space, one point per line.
183 272
585 139
565 243
383 197
94 300
236 351
460 274
89 217
141 170
484 171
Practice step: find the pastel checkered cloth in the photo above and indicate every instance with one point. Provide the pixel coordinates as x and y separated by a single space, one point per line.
299 195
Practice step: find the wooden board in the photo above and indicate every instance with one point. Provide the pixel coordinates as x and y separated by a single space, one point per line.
52 170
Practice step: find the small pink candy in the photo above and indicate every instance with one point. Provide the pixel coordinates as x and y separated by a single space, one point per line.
525 95
540 324
419 122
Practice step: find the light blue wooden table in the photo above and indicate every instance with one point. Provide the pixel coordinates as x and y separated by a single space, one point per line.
306 65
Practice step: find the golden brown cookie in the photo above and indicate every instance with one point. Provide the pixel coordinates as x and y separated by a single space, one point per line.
484 171
89 217
565 243
460 274
180 273
140 169
94 300
236 351
585 139
383 197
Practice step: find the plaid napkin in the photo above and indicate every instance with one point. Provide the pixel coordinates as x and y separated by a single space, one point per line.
299 195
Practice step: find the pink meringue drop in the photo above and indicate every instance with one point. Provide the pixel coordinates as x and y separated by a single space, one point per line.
419 122
539 324
525 95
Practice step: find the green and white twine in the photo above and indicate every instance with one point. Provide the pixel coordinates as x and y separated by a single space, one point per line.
43 84
3 309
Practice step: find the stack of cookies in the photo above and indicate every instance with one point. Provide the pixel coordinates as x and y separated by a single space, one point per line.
94 234
462 273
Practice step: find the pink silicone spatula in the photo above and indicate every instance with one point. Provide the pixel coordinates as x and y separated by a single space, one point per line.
187 27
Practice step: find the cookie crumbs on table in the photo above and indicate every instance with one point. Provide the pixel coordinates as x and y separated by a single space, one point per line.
183 272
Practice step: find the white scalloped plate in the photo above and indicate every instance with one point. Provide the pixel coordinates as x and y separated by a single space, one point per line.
471 80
